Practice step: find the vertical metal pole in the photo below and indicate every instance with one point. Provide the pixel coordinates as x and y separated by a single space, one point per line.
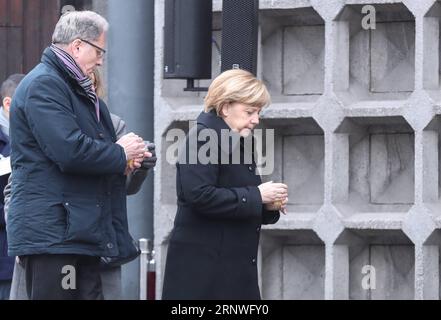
143 263
151 274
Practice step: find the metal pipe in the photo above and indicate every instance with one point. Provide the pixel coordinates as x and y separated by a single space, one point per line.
143 269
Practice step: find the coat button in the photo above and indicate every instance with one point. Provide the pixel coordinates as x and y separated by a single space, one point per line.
254 261
109 245
66 204
250 168
244 200
98 206
258 229
101 135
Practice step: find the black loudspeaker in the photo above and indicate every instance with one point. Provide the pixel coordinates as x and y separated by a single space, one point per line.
188 39
240 19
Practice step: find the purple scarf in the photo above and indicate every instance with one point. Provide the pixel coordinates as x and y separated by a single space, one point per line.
77 74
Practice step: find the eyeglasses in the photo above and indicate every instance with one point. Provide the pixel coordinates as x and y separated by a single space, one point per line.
100 51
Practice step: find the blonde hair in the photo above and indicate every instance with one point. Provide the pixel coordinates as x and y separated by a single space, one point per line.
236 86
97 82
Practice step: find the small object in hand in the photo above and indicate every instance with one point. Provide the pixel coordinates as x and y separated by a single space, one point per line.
130 163
277 204
149 163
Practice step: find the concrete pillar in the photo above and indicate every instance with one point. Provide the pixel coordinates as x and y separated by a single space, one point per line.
130 92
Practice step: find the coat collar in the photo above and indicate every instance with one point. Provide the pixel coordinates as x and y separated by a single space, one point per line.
49 58
211 120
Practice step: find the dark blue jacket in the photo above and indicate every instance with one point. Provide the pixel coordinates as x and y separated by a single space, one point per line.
6 263
212 253
68 184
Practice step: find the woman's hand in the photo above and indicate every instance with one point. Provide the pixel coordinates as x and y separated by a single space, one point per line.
278 206
132 165
272 192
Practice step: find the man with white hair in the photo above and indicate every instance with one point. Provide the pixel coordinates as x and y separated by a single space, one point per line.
68 200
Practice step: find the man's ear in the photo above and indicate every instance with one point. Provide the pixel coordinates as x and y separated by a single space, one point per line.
75 46
6 103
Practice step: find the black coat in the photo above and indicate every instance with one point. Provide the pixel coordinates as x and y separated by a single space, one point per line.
6 262
212 252
68 187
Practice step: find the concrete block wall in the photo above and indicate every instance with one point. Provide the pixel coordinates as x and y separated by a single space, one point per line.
357 119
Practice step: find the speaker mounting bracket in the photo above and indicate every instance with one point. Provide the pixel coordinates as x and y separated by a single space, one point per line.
192 88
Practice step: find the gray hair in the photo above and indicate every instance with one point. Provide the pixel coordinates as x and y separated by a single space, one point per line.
86 25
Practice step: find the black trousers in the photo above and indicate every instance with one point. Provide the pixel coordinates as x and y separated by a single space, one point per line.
62 277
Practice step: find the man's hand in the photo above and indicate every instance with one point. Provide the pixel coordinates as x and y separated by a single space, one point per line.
133 145
135 150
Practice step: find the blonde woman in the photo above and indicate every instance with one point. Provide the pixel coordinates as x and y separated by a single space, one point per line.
212 252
